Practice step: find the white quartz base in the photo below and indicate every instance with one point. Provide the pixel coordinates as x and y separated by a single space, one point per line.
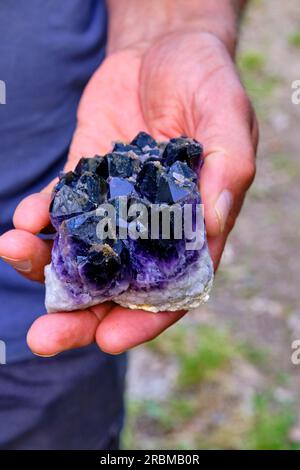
187 292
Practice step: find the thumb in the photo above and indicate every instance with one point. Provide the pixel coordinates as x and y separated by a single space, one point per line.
227 173
223 185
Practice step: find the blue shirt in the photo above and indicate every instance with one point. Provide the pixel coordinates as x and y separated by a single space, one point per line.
48 52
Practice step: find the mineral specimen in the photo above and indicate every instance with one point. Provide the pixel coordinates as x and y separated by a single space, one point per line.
130 229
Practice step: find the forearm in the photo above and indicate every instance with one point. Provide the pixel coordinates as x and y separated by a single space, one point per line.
138 23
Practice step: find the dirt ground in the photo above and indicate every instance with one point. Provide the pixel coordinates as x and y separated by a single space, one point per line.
223 377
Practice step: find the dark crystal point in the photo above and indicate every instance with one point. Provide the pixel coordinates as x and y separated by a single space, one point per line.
170 191
148 179
93 185
68 203
144 141
122 165
66 179
87 164
181 172
103 265
82 230
120 147
184 149
96 164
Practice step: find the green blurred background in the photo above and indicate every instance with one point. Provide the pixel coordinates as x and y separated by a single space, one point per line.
223 377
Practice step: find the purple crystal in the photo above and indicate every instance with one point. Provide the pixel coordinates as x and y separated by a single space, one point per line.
150 270
184 149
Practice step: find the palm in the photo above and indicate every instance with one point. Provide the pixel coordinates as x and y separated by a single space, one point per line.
110 109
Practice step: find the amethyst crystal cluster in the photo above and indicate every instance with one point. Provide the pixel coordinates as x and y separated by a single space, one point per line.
102 254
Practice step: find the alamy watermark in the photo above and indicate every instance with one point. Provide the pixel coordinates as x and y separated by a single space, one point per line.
296 92
154 222
2 352
295 357
2 92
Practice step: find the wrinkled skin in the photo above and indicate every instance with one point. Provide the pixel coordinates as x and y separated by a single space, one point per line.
184 84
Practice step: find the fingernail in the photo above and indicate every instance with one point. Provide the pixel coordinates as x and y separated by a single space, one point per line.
223 207
24 266
44 355
112 353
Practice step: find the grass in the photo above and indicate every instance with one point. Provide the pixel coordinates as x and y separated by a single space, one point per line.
203 349
200 350
251 61
254 354
161 417
168 415
294 39
288 164
213 351
260 88
271 428
258 82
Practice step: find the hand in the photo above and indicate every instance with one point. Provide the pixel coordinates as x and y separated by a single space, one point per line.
184 84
